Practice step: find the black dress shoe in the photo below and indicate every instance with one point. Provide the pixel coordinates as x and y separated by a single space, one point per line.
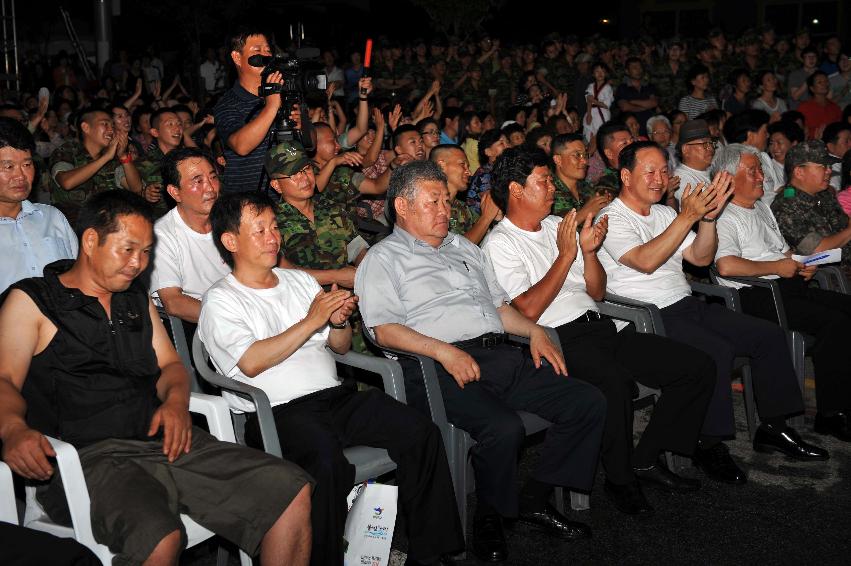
661 476
718 465
628 498
554 523
788 441
837 425
489 539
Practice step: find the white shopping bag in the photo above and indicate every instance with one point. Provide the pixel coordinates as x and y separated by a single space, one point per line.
370 524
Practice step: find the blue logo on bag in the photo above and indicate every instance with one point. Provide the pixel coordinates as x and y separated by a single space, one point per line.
377 512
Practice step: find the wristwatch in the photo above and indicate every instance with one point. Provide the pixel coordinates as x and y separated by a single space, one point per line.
339 326
705 219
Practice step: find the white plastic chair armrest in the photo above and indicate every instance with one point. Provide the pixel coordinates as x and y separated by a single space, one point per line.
217 412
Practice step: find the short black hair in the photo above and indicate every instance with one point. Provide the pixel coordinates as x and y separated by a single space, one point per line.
226 216
561 140
403 129
788 128
101 212
15 135
695 71
182 108
486 140
604 136
168 165
85 114
236 40
514 165
536 134
512 128
831 132
437 150
793 116
629 155
738 126
158 113
449 114
811 80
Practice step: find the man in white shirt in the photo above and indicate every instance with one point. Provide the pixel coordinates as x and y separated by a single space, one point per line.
212 73
269 327
697 149
750 244
31 235
186 261
536 260
751 129
643 254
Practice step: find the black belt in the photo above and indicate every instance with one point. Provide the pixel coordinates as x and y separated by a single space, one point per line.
488 340
588 316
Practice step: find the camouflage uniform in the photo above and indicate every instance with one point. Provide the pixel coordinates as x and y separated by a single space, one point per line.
503 83
805 219
670 86
342 187
564 200
609 182
150 169
461 217
72 155
558 73
321 244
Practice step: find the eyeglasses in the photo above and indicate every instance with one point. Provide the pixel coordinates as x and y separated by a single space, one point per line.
654 132
579 155
302 171
819 165
430 133
705 145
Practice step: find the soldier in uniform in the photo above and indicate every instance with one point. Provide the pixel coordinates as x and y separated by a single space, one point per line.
462 219
570 166
808 214
167 131
669 78
612 137
317 235
97 162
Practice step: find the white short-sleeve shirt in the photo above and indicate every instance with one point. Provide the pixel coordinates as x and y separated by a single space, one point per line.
627 230
750 233
234 316
184 258
689 176
521 259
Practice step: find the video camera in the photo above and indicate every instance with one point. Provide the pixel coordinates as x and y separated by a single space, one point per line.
302 75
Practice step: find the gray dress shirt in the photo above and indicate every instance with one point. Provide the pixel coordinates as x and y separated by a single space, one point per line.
449 293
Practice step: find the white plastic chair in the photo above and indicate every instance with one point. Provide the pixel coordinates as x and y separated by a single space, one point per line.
216 411
8 506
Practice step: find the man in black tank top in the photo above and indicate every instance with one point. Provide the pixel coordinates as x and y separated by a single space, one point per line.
85 358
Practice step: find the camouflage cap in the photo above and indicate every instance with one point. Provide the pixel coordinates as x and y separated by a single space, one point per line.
286 158
811 151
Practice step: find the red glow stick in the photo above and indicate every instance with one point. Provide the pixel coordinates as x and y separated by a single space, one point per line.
367 58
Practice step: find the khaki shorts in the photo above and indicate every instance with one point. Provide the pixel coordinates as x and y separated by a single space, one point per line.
137 495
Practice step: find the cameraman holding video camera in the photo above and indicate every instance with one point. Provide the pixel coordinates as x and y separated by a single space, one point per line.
244 119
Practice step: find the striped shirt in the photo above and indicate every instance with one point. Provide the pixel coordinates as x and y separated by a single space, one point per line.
694 107
235 109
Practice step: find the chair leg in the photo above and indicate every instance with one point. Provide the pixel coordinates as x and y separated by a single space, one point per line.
797 347
750 403
579 501
558 499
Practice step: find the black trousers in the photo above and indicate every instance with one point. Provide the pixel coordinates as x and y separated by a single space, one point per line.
314 430
487 410
595 352
826 316
724 335
28 547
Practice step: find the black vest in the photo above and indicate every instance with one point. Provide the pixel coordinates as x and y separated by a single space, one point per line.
97 377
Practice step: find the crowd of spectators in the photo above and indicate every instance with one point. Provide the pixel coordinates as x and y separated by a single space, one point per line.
453 192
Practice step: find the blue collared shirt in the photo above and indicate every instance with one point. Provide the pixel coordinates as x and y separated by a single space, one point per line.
38 236
444 139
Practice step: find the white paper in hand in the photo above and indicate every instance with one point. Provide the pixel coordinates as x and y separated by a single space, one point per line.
820 258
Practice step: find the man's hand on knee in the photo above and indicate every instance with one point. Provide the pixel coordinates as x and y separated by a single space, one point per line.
460 365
